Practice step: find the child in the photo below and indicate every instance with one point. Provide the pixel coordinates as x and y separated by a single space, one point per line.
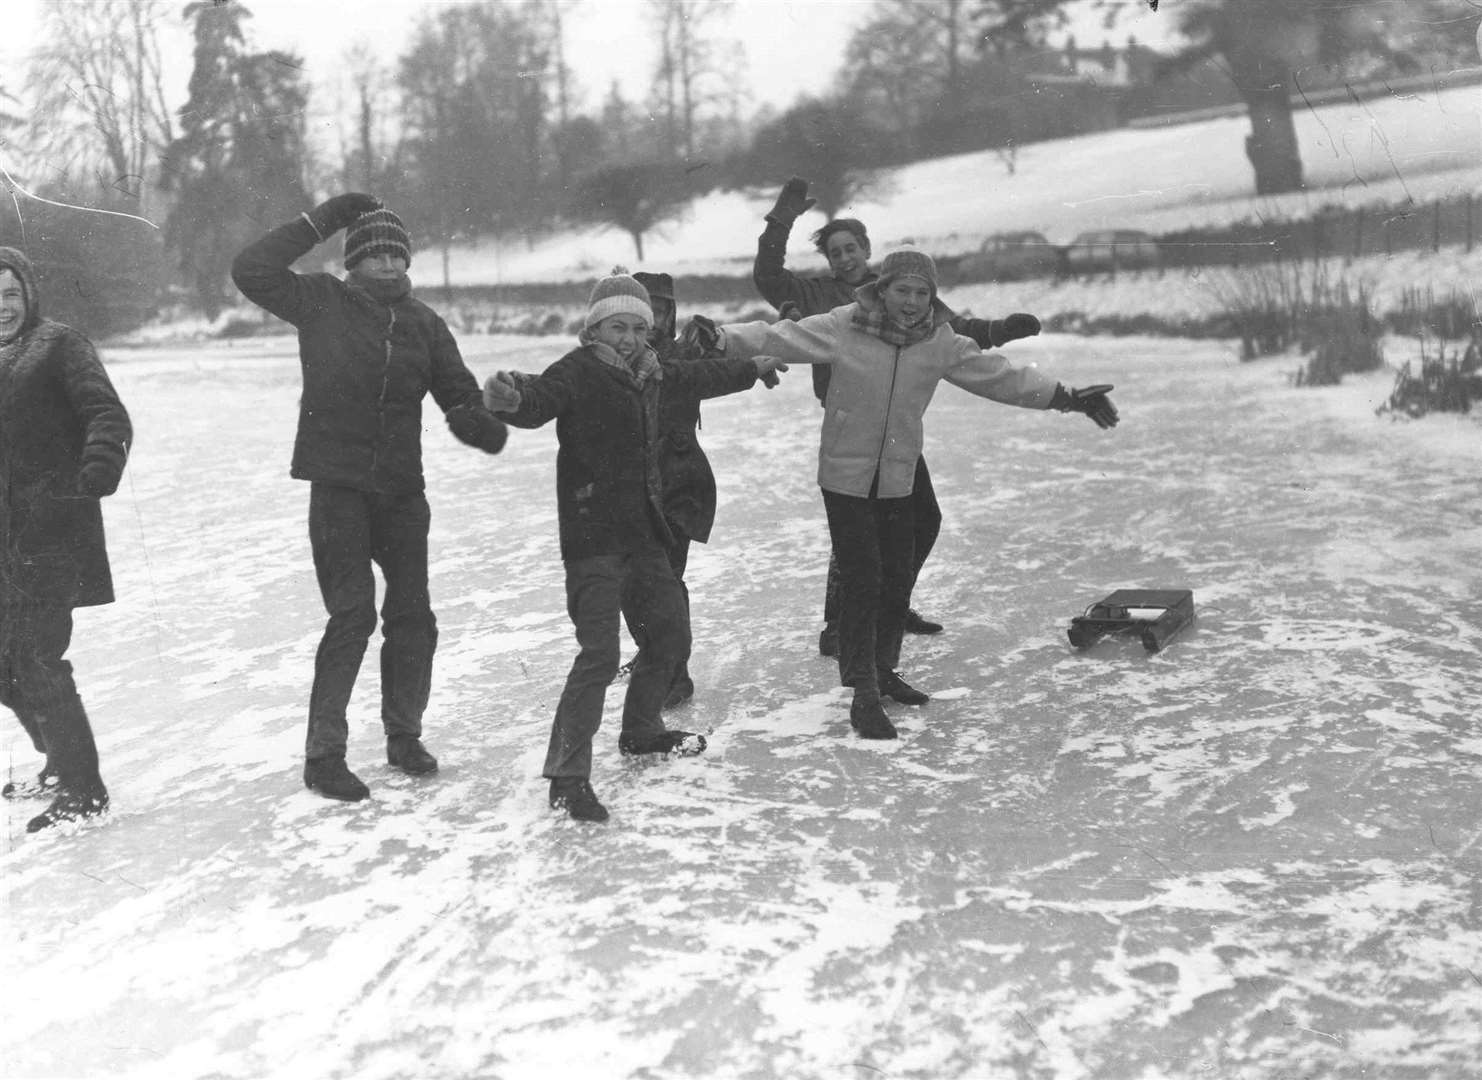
370 353
888 350
604 396
64 439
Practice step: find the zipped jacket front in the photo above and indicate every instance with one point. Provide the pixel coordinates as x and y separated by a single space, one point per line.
878 392
367 365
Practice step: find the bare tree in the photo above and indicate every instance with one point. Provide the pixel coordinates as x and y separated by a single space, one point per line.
688 76
98 88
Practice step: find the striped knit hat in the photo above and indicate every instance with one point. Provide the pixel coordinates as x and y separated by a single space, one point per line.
908 264
376 232
618 294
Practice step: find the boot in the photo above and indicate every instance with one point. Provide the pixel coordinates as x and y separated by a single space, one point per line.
331 778
407 753
44 784
683 743
867 716
828 640
71 804
574 794
916 624
893 686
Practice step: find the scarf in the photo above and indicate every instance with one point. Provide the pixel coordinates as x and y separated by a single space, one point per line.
643 366
386 291
870 317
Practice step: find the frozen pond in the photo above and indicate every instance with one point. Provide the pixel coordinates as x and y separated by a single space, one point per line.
1253 855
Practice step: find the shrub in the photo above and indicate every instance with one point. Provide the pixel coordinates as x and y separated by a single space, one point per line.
1343 337
1443 384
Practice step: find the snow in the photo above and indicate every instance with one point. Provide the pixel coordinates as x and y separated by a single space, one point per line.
1392 150
1252 854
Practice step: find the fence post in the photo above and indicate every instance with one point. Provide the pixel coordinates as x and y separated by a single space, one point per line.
1436 227
1358 232
1469 222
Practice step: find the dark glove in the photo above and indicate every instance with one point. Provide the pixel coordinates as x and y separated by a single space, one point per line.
1016 326
477 427
701 337
1091 400
332 215
96 480
792 202
790 310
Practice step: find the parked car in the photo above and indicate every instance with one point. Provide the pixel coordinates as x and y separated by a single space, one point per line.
1111 249
1010 256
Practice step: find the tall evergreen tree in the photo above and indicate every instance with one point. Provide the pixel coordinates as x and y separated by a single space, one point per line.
237 166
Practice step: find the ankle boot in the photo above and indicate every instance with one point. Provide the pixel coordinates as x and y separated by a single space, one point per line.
407 753
867 715
331 778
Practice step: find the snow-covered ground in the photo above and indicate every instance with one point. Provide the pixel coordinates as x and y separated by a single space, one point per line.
1407 146
1253 855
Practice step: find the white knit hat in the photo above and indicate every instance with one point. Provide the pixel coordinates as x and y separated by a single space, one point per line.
618 294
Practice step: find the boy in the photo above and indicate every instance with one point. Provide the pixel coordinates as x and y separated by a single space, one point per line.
370 353
604 396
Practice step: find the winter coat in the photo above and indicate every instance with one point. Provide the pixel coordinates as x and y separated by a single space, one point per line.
367 365
878 394
687 481
609 490
64 439
817 294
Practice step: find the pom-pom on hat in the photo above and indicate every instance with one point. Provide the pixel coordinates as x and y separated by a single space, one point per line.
620 293
377 232
916 264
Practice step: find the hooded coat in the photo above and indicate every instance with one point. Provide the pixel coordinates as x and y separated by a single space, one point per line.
878 392
64 440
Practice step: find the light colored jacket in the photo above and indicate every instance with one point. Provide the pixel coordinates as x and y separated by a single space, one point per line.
878 392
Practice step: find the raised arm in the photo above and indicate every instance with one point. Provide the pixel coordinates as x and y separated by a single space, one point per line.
262 269
769 272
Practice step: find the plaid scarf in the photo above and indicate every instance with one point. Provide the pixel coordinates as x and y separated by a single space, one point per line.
870 317
643 366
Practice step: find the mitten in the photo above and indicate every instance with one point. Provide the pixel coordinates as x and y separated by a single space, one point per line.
478 428
792 202
790 310
1091 400
1016 326
701 337
767 368
501 394
95 480
332 215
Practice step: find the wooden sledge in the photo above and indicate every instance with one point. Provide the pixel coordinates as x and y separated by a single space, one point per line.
1155 615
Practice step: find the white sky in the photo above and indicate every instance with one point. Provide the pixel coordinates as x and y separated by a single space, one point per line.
784 48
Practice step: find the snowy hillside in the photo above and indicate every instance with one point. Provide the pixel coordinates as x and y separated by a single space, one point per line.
1419 146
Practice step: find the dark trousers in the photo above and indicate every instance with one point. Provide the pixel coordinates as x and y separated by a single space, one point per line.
37 685
927 528
678 554
874 543
599 591
349 531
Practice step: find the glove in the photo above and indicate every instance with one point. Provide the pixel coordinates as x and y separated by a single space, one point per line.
96 480
701 337
792 202
1016 326
501 394
790 310
1091 400
475 427
767 368
332 215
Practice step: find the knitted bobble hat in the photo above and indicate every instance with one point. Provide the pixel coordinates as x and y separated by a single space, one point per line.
377 232
909 264
620 293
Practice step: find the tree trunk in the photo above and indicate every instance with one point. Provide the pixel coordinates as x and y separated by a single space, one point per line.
637 243
1272 143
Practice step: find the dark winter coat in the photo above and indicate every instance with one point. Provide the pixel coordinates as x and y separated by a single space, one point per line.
688 484
609 489
367 365
64 439
817 294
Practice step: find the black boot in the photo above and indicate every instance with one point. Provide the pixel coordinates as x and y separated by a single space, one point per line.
893 686
407 753
331 778
915 624
44 784
71 804
683 743
867 715
574 794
